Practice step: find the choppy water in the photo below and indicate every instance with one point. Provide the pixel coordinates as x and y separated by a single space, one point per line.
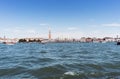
60 61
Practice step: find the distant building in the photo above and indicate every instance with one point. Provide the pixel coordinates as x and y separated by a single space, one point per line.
89 40
97 40
109 39
83 39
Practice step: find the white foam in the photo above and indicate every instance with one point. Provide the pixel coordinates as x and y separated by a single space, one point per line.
70 73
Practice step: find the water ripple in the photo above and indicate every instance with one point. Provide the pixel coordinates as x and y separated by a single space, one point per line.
60 61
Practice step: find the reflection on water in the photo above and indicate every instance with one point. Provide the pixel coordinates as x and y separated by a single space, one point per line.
60 61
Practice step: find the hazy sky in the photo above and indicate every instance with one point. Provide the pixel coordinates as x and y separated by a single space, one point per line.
65 18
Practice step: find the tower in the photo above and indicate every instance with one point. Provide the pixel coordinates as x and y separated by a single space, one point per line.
49 36
117 36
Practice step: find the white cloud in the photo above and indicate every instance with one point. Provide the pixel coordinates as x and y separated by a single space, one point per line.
31 31
112 24
43 24
70 34
10 30
19 32
72 28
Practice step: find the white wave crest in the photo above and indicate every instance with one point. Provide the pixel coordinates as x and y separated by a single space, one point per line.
69 73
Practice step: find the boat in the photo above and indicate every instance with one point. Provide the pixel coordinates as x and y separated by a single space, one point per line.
9 43
44 41
118 43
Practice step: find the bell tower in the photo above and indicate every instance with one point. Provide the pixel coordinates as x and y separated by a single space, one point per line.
49 36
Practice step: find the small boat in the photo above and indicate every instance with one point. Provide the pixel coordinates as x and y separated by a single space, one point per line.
44 42
9 43
118 43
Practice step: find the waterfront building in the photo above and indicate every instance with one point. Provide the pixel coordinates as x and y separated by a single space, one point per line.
89 39
109 39
83 39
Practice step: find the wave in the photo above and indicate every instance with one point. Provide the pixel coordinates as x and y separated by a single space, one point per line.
48 72
90 75
12 71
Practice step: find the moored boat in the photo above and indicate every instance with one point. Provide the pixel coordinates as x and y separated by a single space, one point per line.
9 43
118 43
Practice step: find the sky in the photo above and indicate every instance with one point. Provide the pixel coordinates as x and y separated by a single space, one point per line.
65 18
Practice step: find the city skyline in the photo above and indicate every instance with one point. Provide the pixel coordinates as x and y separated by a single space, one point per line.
65 18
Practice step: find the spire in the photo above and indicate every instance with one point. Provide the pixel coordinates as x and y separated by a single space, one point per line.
49 36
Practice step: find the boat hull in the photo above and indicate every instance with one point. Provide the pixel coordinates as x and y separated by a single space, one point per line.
118 43
9 43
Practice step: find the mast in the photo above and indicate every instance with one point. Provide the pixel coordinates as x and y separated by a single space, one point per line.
4 39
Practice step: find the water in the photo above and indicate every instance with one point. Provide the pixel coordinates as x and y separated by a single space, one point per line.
60 61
